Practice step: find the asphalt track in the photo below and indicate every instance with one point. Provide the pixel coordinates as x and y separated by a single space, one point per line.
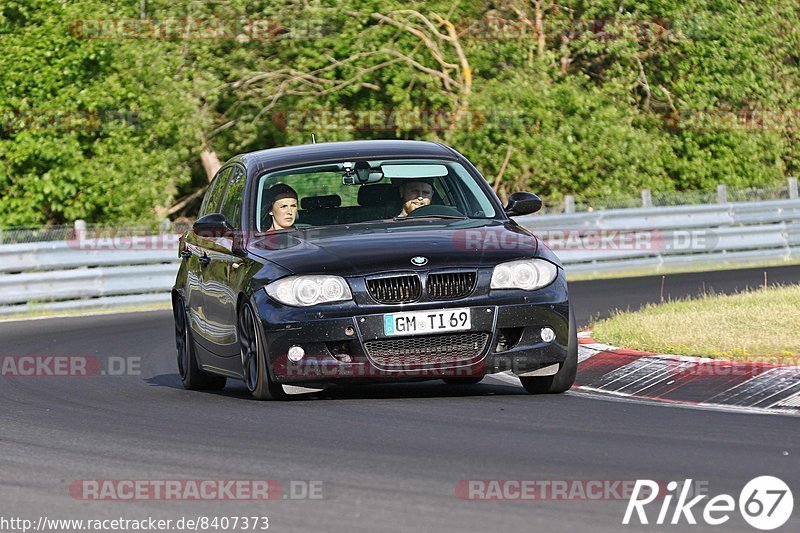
389 457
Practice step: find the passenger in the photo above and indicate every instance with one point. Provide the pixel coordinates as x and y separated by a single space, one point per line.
282 200
415 194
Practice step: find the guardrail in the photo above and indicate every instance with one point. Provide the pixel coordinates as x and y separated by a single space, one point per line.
89 273
637 239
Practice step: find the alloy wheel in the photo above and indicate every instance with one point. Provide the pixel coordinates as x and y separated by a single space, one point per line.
249 345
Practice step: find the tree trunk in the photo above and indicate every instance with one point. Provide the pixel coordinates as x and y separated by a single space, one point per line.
540 36
210 161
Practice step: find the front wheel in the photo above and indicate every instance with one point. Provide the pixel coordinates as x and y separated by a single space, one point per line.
192 377
561 381
254 357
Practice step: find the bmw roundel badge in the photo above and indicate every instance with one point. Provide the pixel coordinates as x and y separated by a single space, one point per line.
419 261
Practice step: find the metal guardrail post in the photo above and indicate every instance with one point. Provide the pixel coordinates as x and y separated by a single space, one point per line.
647 198
722 194
569 204
793 195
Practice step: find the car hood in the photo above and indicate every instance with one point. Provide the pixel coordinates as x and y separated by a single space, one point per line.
384 246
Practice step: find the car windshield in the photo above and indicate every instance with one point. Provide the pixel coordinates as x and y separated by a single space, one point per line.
356 191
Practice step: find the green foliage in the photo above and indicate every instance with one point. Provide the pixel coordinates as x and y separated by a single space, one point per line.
94 129
615 96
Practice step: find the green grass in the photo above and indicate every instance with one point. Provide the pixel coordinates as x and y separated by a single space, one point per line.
759 325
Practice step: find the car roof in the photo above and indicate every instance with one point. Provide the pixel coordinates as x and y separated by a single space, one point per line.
288 156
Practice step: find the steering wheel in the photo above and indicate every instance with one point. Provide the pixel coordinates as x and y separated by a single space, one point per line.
435 210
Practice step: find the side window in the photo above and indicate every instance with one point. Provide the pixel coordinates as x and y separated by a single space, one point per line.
214 192
232 205
206 197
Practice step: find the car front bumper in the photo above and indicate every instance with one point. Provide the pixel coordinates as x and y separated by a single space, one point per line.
345 342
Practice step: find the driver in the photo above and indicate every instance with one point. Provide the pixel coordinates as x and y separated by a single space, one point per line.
414 195
282 201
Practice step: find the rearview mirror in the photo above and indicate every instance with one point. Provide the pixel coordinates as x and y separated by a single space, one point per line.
213 225
523 203
360 173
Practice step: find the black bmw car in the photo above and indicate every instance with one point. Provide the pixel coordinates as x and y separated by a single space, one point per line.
367 261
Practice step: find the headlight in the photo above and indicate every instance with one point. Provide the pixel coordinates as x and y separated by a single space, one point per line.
526 274
303 291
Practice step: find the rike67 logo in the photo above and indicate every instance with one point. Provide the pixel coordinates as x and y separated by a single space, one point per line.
766 503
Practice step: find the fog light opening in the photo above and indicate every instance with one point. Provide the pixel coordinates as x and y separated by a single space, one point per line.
296 353
343 357
508 338
341 350
547 334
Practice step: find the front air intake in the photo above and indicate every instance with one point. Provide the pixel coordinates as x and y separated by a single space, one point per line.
451 286
399 289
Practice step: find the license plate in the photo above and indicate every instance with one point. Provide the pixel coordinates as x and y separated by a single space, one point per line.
424 322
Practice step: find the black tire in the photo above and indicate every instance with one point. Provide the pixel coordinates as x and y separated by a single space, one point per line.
192 377
255 370
561 381
463 381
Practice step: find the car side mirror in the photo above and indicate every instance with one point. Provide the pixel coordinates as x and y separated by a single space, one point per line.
213 225
523 203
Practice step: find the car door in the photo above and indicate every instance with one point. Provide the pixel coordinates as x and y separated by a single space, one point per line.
219 275
196 249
